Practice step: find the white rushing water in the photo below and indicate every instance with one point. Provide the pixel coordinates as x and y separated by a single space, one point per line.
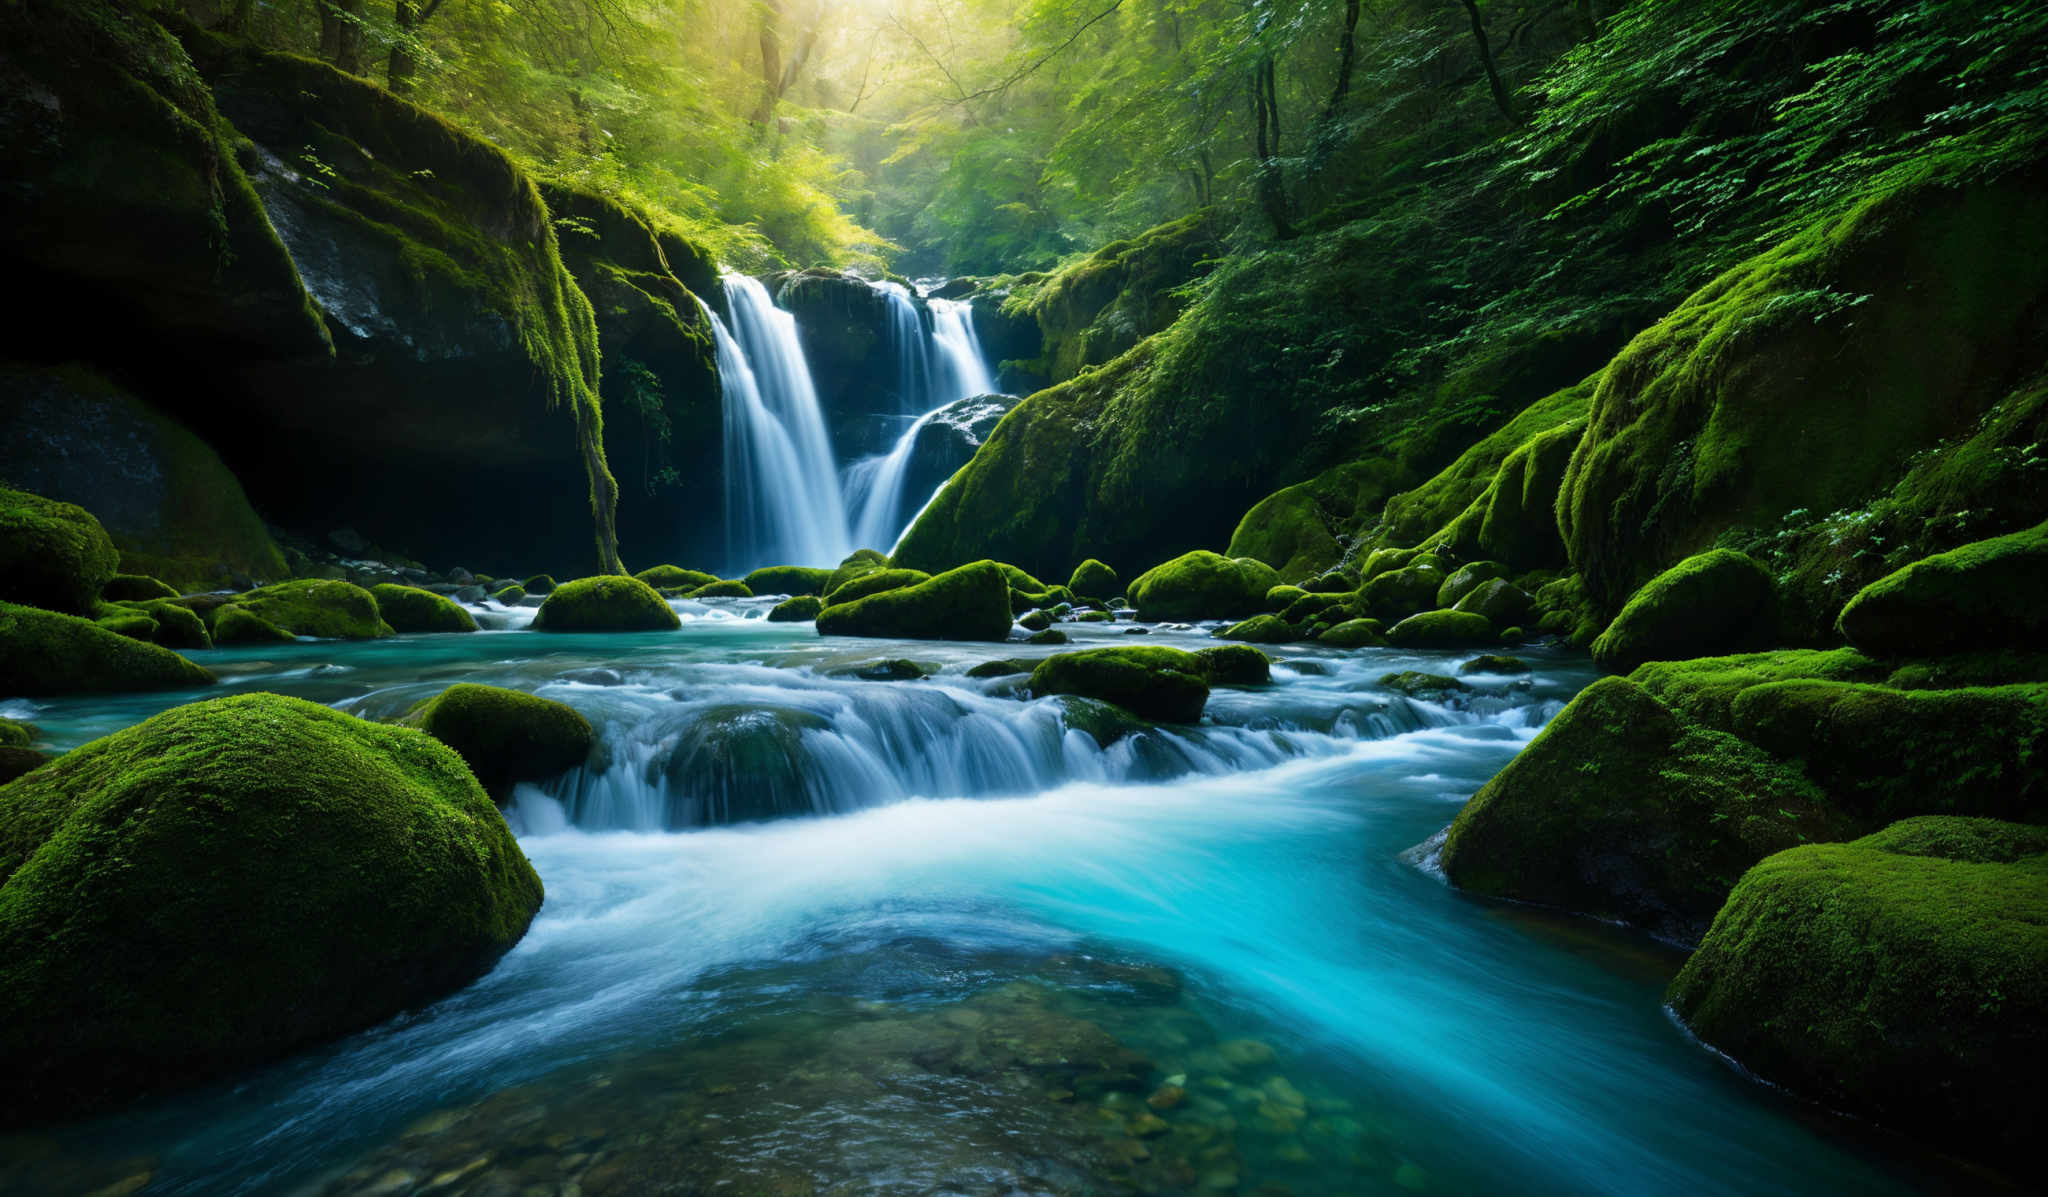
781 499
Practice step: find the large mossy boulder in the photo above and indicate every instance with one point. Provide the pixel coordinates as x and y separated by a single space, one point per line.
1902 977
1203 585
1987 595
1394 594
605 603
795 581
675 577
1164 684
800 608
856 563
232 881
1624 810
410 609
45 652
328 609
1093 580
1503 603
968 603
1442 629
53 555
505 736
875 582
1260 629
1716 603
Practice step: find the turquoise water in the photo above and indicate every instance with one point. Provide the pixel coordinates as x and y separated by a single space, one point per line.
976 989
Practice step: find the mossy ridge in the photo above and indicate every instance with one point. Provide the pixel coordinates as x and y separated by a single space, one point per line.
1094 309
387 878
1992 594
860 586
315 607
505 736
1625 810
1705 689
46 652
1882 979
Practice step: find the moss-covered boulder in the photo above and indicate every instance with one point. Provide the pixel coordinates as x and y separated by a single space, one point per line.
505 736
1990 594
1393 594
732 588
1442 629
1467 578
45 652
239 625
856 563
1493 663
1715 603
605 603
1048 636
177 626
1415 683
324 608
1519 520
337 871
136 588
541 584
675 577
1283 596
1234 665
16 734
1706 688
1162 684
793 580
1203 585
1353 633
1902 977
1503 603
1093 579
509 595
1624 810
968 603
875 582
410 609
800 608
1260 629
52 554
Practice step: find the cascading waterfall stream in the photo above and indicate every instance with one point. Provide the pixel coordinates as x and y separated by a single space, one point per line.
782 506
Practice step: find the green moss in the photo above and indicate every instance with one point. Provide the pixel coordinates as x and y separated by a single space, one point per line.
317 607
132 624
176 626
968 603
1026 600
800 609
1094 309
1416 684
135 588
239 625
44 652
505 736
858 562
1980 841
52 554
409 609
675 577
1308 606
1705 689
1564 609
1034 621
1392 593
1713 603
539 584
1467 578
1623 809
1353 633
1019 579
606 603
1279 597
1164 684
16 734
1987 595
509 595
1441 629
1007 667
1234 665
1901 986
728 589
1891 753
1289 530
875 582
1093 579
1493 663
1502 603
1048 636
1519 522
1203 585
1424 515
338 871
1260 629
793 580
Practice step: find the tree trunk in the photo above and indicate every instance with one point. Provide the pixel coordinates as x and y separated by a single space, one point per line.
1347 56
1266 117
1500 91
404 68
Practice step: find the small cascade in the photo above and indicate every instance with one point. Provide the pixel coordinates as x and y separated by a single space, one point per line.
938 370
780 502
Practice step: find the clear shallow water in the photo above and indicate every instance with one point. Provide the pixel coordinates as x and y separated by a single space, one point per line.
932 990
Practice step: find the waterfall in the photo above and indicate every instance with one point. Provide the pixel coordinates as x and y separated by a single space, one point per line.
947 365
781 504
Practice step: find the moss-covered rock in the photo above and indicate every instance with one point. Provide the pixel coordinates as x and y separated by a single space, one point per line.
1888 753
1353 633
793 580
316 607
1416 684
239 625
856 563
1706 688
52 554
1519 521
1003 667
1283 596
1163 684
675 577
1624 810
725 589
1260 629
1308 606
16 734
132 624
1203 585
1712 604
509 595
1467 578
801 608
541 584
1048 636
1290 531
1902 977
606 603
44 652
1503 603
338 871
874 582
1391 594
177 626
1034 621
1441 629
410 609
1093 579
1234 665
968 603
1991 594
135 588
1493 663
505 736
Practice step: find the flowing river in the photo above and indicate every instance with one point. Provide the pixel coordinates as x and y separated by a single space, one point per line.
989 946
